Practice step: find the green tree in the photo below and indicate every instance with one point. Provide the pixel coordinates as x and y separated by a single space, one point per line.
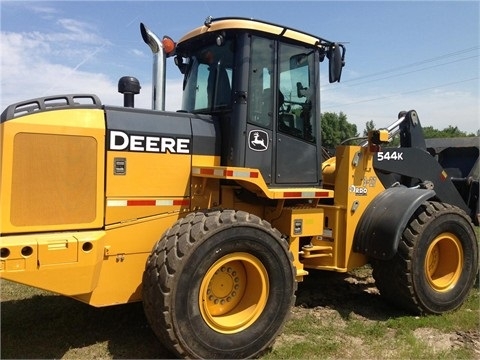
449 132
369 125
336 128
429 132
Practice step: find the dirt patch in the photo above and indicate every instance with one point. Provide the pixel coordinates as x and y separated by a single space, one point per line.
353 294
440 342
468 339
324 316
435 339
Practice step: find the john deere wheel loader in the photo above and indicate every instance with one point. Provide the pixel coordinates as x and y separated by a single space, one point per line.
212 214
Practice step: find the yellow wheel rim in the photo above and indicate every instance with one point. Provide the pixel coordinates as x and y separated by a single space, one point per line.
233 293
444 262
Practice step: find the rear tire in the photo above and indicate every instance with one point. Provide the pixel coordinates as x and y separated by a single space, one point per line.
219 285
436 262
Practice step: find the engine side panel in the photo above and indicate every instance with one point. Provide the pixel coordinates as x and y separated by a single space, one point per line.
52 171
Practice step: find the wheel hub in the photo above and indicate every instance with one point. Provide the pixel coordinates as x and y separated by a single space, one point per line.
226 288
233 293
444 262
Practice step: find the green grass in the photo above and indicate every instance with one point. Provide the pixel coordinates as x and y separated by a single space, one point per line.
349 323
450 336
333 319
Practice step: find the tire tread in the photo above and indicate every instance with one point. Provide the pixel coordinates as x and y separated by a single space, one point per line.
167 258
394 278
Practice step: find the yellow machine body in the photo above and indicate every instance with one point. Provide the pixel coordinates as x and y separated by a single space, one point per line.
70 226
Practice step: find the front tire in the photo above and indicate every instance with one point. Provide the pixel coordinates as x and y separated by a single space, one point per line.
436 262
219 285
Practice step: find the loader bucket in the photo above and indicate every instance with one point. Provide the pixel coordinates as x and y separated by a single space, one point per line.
460 159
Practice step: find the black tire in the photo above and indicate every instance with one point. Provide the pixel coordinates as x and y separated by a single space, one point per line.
436 262
195 266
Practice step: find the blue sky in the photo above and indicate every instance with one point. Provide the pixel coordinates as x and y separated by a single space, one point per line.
400 55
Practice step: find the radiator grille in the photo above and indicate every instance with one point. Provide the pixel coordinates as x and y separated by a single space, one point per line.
53 180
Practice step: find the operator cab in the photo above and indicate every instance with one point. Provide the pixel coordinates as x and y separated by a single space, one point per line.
261 81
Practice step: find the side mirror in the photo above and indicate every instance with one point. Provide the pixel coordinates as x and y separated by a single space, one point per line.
336 57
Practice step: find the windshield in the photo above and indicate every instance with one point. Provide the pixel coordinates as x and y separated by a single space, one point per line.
207 84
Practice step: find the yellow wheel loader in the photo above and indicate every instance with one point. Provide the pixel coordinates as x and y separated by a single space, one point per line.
211 215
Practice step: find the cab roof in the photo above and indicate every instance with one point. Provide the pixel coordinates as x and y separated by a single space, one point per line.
238 23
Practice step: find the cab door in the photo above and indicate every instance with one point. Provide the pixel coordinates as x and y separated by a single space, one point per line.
259 136
281 134
296 156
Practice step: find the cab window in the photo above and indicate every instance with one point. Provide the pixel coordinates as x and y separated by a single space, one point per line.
289 103
208 79
260 104
297 88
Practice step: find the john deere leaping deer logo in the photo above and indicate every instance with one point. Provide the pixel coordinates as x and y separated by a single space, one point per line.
258 140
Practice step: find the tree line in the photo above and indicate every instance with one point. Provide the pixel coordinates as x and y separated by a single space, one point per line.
336 129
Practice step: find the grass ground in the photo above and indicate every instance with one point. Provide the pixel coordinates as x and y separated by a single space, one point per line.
337 316
353 322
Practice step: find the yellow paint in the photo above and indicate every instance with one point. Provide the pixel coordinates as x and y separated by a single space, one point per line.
246 24
52 171
444 262
67 263
234 293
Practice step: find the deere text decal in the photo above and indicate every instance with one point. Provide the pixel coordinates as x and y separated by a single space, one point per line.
120 141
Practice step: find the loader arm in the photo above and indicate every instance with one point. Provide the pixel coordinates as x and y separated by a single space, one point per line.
419 167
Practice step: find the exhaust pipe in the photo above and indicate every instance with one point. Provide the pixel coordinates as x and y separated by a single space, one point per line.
159 61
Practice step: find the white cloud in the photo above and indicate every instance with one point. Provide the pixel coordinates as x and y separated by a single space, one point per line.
31 57
31 65
30 71
73 26
173 100
50 62
137 52
173 95
46 12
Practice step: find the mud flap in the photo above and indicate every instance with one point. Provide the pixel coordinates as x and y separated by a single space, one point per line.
380 229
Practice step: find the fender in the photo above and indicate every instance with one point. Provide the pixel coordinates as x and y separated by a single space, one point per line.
381 226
